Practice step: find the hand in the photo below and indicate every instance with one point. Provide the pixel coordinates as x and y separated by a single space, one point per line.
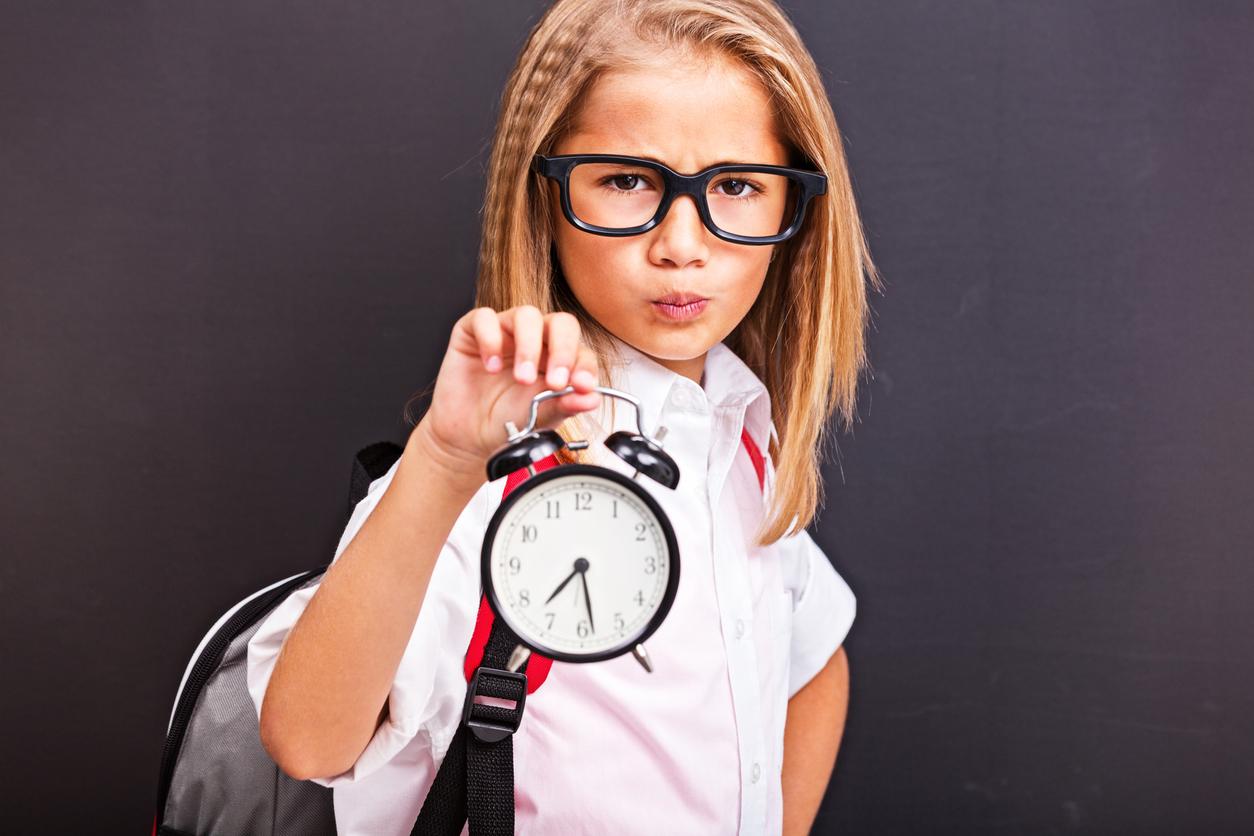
475 394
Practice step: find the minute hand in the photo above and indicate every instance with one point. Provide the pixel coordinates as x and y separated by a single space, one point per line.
587 599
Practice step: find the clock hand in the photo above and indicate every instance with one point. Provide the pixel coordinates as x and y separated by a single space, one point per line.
561 586
587 600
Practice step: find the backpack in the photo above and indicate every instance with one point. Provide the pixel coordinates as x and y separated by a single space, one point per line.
215 775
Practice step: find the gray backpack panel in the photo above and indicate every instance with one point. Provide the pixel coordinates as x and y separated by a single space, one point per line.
221 780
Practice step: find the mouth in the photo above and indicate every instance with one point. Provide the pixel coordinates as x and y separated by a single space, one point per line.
680 307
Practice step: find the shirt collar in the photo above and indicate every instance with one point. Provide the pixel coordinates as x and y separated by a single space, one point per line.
727 384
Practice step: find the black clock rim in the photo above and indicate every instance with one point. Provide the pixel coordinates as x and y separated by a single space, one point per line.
533 482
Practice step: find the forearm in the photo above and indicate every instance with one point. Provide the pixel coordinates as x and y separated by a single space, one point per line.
337 664
812 733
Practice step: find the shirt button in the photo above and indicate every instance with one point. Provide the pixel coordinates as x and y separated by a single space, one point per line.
756 773
740 627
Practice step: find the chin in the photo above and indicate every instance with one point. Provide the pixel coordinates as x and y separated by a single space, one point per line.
678 346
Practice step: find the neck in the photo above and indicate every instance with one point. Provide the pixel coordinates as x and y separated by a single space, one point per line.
692 369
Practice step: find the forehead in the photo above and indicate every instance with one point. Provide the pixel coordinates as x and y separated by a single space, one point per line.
689 113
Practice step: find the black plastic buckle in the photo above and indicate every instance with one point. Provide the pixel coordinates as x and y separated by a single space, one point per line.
492 723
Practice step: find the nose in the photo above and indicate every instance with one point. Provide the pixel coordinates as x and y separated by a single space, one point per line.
680 239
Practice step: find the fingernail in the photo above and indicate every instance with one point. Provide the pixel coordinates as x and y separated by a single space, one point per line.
493 363
526 371
583 377
558 375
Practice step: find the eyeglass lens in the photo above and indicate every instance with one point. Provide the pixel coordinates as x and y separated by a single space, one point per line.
621 196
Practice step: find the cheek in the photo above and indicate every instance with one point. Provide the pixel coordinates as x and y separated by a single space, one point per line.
752 271
590 261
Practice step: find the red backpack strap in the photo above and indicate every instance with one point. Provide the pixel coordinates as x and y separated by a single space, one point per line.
537 665
755 456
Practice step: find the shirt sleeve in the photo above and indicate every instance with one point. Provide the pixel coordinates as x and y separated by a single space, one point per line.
429 687
823 612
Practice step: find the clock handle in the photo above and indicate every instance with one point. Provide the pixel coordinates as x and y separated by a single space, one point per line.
604 390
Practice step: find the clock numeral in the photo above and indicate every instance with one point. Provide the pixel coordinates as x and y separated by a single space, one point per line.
583 501
552 509
614 514
640 532
551 616
650 565
515 565
639 599
619 623
582 628
524 597
529 533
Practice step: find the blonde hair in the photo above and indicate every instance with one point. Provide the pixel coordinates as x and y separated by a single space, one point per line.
805 334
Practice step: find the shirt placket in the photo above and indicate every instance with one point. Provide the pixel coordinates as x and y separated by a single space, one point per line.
735 597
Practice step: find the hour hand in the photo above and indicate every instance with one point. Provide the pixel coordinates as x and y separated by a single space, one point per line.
561 586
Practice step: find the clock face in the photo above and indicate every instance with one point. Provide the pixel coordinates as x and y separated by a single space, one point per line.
581 563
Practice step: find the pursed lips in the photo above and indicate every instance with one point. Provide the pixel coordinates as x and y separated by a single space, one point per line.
680 306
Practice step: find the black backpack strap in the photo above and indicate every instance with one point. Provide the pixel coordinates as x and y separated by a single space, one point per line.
369 464
476 778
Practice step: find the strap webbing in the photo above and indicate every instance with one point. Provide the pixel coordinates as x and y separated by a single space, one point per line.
475 780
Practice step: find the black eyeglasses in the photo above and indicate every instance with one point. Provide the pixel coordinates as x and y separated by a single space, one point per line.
609 194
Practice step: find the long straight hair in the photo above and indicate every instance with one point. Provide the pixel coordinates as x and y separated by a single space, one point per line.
805 334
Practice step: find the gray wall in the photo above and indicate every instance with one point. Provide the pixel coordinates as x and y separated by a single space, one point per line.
233 238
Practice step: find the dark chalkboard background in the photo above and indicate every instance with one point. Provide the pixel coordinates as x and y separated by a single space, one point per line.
233 238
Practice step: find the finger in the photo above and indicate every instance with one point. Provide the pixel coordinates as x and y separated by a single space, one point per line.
485 327
584 380
526 324
554 412
562 345
584 375
575 402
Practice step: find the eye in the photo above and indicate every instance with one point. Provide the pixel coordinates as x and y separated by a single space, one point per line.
736 188
625 182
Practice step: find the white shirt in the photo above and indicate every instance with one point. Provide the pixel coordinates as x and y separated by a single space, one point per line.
696 747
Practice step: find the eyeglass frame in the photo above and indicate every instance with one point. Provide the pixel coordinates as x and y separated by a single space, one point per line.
674 184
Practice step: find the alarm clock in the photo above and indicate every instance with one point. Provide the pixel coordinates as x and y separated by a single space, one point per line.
579 561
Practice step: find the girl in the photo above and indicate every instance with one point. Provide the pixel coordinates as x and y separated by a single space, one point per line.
733 304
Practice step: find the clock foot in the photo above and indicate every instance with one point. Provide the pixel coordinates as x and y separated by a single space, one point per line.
642 656
521 654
